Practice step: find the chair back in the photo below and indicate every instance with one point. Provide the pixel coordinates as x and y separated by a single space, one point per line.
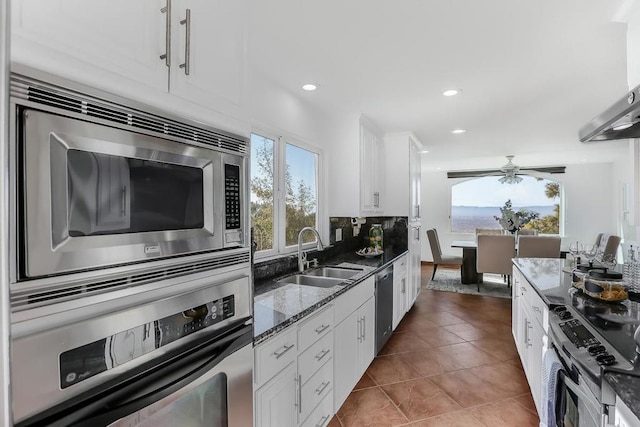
495 253
608 244
489 231
434 243
538 247
527 232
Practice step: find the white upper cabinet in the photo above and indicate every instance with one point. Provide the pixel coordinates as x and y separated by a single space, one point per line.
66 36
402 186
371 168
209 53
139 49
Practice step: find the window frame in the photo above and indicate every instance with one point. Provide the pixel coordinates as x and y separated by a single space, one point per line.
533 175
280 141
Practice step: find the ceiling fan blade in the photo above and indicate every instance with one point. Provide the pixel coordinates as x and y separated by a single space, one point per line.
498 172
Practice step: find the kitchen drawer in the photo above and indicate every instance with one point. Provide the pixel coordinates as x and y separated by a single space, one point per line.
348 302
321 416
274 355
315 327
537 308
315 356
315 389
400 266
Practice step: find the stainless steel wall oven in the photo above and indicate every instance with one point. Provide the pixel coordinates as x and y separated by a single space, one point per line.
102 183
131 296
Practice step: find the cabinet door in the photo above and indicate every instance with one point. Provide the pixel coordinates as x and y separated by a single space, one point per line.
534 360
69 37
370 170
209 53
415 270
415 166
399 298
346 361
367 345
275 402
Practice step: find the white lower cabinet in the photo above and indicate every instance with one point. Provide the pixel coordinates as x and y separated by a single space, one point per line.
401 298
529 327
294 372
275 401
304 374
354 339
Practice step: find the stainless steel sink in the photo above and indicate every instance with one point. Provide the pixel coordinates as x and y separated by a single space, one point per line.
337 272
317 281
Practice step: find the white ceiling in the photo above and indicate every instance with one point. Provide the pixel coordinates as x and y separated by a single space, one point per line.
531 72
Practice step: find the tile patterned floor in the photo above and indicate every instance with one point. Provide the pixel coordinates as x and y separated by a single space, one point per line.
451 362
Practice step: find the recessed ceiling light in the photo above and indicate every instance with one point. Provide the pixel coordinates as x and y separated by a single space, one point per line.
310 87
424 151
458 131
438 169
451 92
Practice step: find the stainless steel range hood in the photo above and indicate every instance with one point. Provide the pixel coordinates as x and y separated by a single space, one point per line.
620 121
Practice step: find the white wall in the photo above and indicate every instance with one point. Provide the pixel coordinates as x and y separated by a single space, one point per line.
589 205
633 46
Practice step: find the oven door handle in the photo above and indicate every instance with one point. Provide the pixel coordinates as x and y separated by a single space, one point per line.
150 385
591 404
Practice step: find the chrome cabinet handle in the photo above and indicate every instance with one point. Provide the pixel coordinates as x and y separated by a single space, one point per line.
167 38
187 42
528 337
280 354
322 354
359 330
364 328
124 202
320 329
300 393
376 199
322 421
526 332
535 308
322 387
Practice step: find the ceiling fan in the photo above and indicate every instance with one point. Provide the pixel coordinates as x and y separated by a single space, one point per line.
510 172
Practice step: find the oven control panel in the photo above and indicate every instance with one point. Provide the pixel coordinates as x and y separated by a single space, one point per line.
232 196
84 362
588 345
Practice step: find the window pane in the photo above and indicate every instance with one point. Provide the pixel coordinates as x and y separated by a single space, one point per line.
301 193
476 203
262 179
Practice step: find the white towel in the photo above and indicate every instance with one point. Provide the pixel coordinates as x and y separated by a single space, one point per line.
550 366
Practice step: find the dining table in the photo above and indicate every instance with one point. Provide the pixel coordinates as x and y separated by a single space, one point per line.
469 273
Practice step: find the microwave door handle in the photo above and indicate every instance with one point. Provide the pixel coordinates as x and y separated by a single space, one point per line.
154 386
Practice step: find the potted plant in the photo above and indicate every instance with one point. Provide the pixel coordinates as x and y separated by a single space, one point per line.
513 221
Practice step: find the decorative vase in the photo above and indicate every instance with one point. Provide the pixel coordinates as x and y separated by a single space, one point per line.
375 237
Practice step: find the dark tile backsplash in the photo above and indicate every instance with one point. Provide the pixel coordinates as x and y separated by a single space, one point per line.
395 236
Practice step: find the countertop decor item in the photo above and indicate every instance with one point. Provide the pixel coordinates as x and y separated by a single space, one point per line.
376 237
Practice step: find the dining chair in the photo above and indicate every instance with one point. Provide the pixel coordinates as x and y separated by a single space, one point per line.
489 231
538 247
494 255
438 257
527 232
607 243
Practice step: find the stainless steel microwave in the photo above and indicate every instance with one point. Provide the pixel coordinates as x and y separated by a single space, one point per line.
101 183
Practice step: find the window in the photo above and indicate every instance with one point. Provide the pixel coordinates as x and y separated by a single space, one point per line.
284 193
477 202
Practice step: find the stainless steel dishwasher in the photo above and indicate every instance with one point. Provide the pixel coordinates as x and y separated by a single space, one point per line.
384 306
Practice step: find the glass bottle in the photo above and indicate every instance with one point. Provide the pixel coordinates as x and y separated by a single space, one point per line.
375 237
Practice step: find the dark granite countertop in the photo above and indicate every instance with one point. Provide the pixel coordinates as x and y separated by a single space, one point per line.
551 279
278 305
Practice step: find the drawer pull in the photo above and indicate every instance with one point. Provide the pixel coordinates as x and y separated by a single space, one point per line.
299 393
322 387
320 329
359 330
322 421
280 354
322 354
